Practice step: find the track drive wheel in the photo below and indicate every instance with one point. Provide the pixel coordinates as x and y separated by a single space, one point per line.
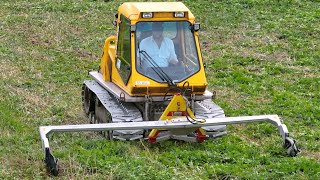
87 100
103 116
92 118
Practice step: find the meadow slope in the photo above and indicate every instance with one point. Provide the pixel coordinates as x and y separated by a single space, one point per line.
262 57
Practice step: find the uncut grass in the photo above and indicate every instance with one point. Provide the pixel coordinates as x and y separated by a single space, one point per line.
261 57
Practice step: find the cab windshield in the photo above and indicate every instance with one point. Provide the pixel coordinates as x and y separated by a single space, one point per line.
166 51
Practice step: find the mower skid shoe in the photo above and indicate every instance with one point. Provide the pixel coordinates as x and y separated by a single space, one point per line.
215 131
290 145
51 163
217 134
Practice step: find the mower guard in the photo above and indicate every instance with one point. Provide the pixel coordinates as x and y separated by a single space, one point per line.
176 123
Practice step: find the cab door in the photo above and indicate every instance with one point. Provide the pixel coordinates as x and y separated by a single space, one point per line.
123 57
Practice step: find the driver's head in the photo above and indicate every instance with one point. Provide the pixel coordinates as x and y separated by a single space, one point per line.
157 29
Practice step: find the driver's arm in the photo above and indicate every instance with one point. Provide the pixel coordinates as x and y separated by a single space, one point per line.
139 60
173 57
174 61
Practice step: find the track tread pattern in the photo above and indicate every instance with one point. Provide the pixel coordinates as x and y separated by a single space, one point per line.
208 109
120 111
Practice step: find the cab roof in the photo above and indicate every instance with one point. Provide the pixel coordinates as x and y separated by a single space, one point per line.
132 10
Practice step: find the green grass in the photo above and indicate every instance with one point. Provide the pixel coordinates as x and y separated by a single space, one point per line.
262 57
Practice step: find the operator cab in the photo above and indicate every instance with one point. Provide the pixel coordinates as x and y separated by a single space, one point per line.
132 65
181 34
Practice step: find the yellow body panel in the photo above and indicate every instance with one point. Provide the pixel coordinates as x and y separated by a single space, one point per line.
133 10
140 85
106 60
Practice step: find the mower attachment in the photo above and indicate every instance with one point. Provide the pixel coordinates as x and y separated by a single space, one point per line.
174 124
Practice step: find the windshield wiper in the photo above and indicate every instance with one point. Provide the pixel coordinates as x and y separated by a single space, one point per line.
157 69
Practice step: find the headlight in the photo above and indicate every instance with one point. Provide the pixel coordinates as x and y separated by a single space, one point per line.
179 14
147 15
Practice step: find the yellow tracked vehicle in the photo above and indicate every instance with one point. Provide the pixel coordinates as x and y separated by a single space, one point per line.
151 83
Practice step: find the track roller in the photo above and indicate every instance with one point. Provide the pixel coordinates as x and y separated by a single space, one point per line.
87 99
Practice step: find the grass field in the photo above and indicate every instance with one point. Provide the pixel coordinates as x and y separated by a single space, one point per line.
262 57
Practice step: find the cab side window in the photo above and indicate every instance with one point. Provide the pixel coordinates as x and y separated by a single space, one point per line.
191 54
123 62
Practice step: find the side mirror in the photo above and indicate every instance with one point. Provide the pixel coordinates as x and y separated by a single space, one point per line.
196 26
115 21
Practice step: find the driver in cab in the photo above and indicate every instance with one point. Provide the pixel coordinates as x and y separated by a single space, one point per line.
158 47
